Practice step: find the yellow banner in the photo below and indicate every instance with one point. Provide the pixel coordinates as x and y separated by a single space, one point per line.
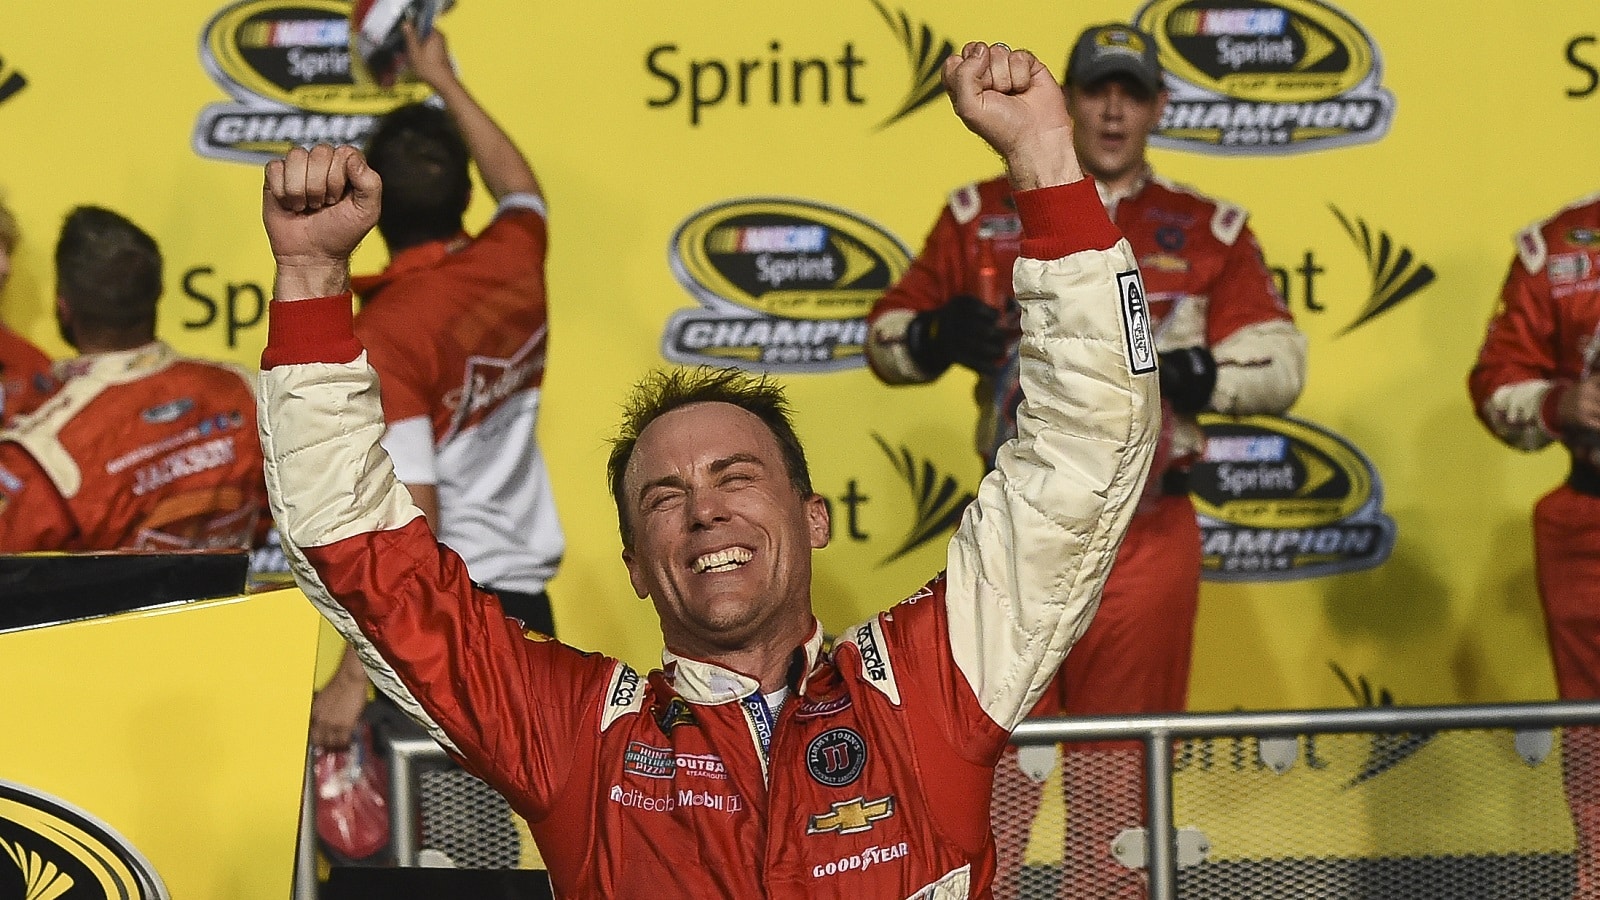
169 745
1387 153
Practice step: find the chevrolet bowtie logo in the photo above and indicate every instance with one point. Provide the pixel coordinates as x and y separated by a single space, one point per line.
851 816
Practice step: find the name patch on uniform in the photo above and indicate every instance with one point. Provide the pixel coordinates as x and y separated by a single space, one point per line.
836 757
1136 323
651 762
1567 268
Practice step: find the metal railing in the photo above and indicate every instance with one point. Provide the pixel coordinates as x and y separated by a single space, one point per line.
1158 732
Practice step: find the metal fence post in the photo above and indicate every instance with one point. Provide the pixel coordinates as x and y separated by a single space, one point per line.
1161 835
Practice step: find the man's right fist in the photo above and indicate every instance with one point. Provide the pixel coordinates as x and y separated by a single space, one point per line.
966 331
318 204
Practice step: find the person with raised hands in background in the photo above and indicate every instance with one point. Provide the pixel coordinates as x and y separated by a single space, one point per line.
754 762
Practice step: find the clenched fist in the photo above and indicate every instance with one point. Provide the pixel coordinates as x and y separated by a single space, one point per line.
317 205
1008 98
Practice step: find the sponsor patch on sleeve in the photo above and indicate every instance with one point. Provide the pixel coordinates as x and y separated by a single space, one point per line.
1136 323
624 694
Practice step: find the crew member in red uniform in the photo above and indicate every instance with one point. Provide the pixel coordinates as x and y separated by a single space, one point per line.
139 447
754 763
1227 344
1536 382
24 370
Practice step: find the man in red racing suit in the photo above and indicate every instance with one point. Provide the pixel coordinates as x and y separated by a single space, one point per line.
139 447
1227 344
1536 382
753 764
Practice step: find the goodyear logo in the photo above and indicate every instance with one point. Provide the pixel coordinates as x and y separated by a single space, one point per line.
58 850
784 285
288 66
1282 499
1265 76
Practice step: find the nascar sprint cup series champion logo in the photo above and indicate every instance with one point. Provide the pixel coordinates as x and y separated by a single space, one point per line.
1281 499
1265 76
785 285
288 66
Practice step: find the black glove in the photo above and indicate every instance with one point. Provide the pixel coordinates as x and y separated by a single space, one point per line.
966 330
1188 377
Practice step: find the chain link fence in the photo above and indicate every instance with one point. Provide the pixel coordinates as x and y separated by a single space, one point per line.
1424 803
1392 803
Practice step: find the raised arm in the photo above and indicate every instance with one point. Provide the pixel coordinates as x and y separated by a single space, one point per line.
506 704
1026 567
503 167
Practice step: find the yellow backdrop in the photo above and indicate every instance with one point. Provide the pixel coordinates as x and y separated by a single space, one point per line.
638 117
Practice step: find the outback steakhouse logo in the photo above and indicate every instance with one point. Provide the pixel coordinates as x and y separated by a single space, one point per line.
1265 76
287 63
50 849
785 285
1282 499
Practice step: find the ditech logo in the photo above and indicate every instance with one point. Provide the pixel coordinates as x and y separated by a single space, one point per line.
11 81
780 77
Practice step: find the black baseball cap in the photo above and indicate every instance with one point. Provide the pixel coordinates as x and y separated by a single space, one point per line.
1114 49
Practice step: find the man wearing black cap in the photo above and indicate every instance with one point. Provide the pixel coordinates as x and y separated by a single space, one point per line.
1227 344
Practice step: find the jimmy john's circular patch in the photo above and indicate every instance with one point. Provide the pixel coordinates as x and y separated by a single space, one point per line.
836 757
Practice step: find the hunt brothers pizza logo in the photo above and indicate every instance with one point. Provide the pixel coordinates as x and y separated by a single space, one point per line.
51 849
1281 499
288 64
1265 77
784 285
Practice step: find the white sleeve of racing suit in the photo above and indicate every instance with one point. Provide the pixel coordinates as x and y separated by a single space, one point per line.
1261 368
1027 565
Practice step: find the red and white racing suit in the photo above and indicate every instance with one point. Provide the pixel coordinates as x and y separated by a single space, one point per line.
458 331
874 780
138 449
1543 338
25 377
1208 287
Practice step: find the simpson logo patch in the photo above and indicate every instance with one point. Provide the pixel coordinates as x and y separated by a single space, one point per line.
1136 323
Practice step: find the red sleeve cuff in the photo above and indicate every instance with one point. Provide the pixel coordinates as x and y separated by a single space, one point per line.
1063 219
320 330
1550 409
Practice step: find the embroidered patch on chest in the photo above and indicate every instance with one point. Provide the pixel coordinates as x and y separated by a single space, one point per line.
836 757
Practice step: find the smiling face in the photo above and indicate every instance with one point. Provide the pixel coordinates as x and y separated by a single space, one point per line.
1111 121
721 538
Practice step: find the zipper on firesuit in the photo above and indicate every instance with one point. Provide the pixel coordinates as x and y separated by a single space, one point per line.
762 723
